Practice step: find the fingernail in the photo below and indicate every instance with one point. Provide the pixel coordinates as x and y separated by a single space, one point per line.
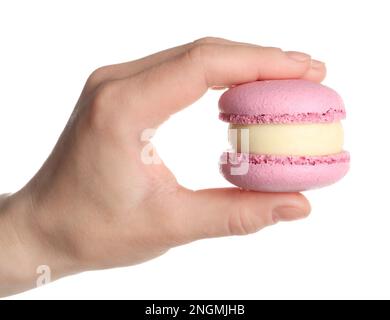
287 213
298 56
317 64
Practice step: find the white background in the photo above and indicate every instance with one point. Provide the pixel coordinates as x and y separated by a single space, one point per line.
47 50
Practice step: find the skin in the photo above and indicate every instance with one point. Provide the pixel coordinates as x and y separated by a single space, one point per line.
95 204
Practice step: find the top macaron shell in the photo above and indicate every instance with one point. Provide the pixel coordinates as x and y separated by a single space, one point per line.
281 101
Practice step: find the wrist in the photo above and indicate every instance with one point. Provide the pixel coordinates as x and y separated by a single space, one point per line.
28 256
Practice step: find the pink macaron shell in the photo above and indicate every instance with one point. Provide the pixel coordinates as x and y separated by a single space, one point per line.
281 101
285 174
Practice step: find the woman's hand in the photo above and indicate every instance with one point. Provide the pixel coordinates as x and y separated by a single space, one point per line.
96 203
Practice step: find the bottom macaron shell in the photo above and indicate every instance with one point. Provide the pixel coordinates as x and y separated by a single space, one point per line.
283 174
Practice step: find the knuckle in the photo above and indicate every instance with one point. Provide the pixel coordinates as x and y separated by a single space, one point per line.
241 224
201 54
206 40
97 77
105 95
243 220
272 50
101 105
199 51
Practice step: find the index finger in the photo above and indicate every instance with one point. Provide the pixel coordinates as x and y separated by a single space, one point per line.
154 94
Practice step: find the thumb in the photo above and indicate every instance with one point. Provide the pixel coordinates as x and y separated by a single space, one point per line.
232 211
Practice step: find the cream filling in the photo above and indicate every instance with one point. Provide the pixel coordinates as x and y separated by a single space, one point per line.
313 139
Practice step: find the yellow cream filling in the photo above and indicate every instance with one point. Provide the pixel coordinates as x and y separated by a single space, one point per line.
313 139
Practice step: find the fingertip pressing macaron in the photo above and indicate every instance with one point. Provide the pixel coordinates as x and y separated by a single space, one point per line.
286 136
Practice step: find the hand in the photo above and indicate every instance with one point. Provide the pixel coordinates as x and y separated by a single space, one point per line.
95 204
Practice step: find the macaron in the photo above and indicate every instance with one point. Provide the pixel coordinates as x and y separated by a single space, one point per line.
286 135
